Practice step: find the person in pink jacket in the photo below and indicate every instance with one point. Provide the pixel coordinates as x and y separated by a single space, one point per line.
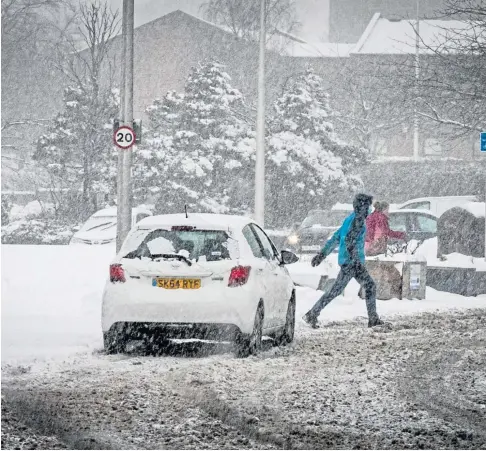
378 230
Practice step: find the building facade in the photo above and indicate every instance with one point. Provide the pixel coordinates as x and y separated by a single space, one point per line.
348 18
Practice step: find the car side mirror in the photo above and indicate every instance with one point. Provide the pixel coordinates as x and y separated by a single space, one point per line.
288 257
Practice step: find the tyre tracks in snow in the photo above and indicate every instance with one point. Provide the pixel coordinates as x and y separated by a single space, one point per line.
341 387
451 384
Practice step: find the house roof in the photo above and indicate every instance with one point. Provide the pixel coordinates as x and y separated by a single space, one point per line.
384 36
318 49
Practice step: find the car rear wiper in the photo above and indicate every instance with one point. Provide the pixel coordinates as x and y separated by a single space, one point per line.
176 256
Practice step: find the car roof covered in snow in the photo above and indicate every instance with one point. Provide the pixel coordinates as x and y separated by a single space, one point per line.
198 220
440 198
111 211
411 210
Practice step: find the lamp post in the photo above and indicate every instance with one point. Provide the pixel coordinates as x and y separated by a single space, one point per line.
260 129
124 189
416 138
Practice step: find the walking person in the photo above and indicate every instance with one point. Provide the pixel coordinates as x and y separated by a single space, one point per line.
378 230
350 238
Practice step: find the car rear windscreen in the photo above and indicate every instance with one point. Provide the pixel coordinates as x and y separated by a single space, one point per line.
198 245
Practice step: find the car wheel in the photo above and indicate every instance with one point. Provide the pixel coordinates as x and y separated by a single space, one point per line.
247 345
287 334
114 340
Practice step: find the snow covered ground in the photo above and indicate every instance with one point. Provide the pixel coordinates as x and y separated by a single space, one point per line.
51 300
59 391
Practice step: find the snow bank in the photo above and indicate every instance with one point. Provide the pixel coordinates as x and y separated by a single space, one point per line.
304 274
350 306
51 300
428 251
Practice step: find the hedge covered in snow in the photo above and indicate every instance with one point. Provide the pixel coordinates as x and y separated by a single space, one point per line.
33 231
33 223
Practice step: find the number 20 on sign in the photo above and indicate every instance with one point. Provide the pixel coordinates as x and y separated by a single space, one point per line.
124 137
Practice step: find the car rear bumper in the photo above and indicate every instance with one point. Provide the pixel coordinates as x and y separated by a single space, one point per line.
136 302
214 331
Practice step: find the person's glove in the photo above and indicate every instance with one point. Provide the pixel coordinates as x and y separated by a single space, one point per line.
317 260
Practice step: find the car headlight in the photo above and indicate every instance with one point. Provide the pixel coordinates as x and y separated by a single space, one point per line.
76 241
293 239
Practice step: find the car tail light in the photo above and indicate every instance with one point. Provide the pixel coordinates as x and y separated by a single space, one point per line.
239 276
116 273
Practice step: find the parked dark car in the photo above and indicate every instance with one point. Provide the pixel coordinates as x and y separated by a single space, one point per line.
319 225
315 229
419 225
278 237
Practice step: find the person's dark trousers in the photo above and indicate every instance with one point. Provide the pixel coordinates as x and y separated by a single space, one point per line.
359 272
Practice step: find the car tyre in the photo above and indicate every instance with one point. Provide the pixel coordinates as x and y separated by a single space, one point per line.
247 345
114 340
287 334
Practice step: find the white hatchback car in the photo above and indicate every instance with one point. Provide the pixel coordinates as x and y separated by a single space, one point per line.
207 276
101 227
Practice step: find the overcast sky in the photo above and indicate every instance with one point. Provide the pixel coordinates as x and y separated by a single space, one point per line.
313 14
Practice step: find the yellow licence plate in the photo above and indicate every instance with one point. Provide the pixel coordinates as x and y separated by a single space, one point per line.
174 284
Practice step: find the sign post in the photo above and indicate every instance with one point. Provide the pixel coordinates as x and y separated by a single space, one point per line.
482 141
124 137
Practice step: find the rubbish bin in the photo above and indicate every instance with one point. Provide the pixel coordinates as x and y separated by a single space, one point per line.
414 278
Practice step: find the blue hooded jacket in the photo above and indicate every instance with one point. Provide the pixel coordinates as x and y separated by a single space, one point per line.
339 238
351 236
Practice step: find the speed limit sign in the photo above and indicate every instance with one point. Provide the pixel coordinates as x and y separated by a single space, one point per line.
124 137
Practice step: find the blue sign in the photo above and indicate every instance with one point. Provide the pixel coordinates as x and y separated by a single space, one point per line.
483 142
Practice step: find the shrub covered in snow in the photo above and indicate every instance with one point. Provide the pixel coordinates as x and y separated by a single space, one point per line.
459 230
33 209
36 231
308 166
200 150
37 223
197 152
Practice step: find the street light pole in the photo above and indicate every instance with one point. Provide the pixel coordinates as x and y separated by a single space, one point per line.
124 208
416 138
119 174
260 129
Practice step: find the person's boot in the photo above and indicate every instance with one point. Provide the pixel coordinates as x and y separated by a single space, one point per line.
376 321
311 319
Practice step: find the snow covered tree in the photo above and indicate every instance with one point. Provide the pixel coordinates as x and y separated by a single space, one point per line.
308 166
242 17
77 149
198 151
304 109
